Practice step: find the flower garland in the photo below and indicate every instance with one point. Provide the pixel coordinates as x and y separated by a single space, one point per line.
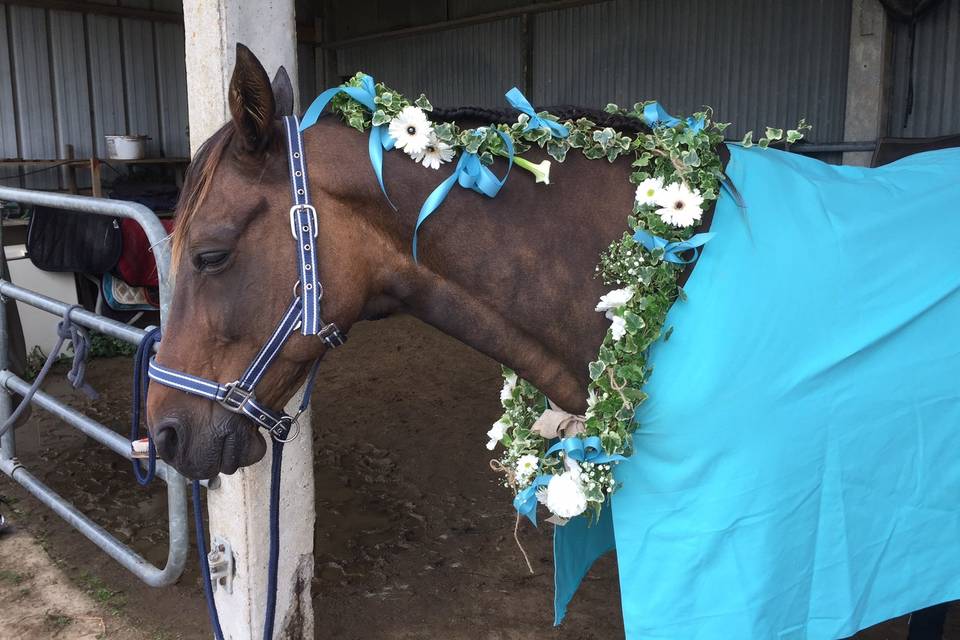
566 462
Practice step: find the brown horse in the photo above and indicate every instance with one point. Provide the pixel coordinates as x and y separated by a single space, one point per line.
512 277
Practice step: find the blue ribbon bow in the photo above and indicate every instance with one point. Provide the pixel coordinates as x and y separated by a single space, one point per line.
380 138
585 450
672 250
519 102
526 501
576 448
655 115
471 174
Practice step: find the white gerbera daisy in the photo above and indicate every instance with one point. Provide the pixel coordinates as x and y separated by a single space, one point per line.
434 154
496 433
565 496
648 190
527 466
615 299
617 325
679 206
411 130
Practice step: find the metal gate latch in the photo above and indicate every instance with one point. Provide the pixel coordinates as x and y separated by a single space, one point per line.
220 560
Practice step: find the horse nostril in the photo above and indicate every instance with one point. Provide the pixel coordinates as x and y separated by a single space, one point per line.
166 441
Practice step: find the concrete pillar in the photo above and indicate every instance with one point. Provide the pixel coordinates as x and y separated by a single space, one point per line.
239 508
866 78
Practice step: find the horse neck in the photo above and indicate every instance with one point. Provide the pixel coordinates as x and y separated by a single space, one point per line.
512 276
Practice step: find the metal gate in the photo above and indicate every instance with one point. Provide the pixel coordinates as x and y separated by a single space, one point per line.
10 382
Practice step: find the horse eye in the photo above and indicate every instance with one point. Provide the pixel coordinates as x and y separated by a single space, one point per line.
210 260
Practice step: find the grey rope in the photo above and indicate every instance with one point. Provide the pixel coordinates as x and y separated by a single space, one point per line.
66 330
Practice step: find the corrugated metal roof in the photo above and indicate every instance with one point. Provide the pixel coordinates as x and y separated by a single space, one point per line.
172 90
936 70
140 79
8 117
755 62
471 65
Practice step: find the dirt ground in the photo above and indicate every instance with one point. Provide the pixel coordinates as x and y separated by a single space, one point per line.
414 535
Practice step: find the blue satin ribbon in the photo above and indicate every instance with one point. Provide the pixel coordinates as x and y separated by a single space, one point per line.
526 501
585 450
672 250
380 138
471 174
655 115
519 102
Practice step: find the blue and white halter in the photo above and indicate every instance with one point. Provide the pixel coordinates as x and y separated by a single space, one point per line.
303 313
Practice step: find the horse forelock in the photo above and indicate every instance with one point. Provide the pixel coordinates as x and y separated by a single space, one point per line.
196 186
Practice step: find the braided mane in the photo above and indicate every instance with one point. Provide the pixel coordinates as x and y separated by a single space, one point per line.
480 116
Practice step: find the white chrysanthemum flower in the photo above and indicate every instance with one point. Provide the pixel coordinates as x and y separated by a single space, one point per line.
527 466
411 130
509 384
565 496
648 190
496 433
618 326
434 154
679 206
615 299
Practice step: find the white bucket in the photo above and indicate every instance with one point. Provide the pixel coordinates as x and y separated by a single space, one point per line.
126 147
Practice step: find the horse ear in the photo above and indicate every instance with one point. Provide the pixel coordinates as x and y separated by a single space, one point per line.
251 100
283 92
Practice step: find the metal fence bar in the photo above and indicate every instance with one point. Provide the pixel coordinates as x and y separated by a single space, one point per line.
176 484
88 319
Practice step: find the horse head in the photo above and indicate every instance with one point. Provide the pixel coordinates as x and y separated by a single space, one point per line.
235 269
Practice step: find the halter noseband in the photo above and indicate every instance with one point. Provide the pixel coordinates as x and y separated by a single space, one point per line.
303 313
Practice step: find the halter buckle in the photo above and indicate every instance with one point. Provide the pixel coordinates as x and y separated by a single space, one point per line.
313 218
331 335
281 432
235 397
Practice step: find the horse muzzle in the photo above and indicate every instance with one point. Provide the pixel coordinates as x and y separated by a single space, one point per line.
201 451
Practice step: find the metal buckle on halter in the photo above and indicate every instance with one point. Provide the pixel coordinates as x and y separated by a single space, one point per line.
235 397
331 335
281 432
293 218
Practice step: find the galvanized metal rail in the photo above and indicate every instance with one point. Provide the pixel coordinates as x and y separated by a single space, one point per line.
9 382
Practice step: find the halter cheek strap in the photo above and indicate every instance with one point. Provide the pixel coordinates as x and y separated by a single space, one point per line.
303 313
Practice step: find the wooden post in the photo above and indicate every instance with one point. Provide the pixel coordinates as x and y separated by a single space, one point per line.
95 177
68 172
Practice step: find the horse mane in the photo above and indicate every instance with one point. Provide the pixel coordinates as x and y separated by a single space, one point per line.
482 115
196 185
199 177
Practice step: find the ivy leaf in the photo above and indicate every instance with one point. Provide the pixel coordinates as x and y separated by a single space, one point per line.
773 134
625 412
423 103
667 334
612 154
386 99
606 355
596 370
558 151
793 135
763 143
604 136
380 117
747 141
633 321
611 108
690 158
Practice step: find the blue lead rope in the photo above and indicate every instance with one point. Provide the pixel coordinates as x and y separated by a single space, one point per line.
141 384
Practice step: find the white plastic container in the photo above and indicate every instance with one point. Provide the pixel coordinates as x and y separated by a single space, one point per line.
126 147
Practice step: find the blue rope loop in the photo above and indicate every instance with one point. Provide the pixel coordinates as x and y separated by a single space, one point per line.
204 563
141 383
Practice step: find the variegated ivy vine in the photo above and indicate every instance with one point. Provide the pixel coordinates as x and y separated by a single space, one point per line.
678 174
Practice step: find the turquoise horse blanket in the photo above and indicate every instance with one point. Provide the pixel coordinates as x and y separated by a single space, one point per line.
795 473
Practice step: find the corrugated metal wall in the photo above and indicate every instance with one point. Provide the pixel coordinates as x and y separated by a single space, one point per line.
757 62
67 77
936 82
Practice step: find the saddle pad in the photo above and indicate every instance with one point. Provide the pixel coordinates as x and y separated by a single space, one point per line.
795 470
63 241
121 296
